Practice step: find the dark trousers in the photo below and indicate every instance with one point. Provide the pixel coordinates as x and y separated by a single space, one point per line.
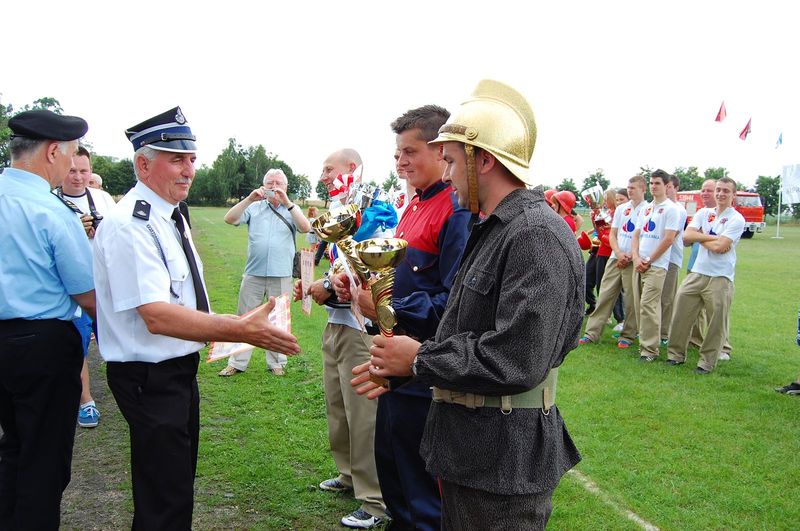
40 386
591 281
161 403
411 494
465 509
320 252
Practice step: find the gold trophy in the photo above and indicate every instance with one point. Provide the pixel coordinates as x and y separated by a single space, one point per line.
382 255
337 227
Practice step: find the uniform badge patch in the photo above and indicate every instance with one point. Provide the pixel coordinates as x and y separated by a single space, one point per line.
141 210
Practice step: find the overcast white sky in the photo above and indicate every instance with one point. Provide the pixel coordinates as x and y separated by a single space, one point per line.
614 85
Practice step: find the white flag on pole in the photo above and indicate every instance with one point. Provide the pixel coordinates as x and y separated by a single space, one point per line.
790 184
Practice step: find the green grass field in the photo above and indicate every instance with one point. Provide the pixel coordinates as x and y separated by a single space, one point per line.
681 451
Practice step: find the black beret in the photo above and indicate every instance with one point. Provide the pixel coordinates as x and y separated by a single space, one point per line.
47 125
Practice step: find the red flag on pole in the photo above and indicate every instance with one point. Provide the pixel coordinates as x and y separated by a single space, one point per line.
746 130
721 114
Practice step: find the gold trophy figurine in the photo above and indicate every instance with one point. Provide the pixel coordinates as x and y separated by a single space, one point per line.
382 255
337 227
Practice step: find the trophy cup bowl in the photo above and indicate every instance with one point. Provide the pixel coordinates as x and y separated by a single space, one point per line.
382 255
593 196
337 226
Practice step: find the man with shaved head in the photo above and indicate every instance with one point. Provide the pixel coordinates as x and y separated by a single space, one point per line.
351 420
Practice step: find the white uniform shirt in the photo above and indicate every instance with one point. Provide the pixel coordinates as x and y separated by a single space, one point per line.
729 224
654 219
130 272
676 253
625 222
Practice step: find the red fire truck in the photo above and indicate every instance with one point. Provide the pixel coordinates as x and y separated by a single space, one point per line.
748 204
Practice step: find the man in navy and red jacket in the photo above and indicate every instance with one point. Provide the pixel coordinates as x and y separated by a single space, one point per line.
436 229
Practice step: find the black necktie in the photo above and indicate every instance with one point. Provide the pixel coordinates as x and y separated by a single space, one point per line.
199 292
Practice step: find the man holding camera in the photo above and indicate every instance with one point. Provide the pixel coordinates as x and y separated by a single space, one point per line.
272 221
90 208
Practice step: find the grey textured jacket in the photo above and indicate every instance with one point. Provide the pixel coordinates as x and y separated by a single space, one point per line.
515 311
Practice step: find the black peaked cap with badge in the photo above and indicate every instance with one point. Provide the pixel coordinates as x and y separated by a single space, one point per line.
167 131
47 125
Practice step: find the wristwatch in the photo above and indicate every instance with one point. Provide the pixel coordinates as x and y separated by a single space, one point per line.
414 366
326 283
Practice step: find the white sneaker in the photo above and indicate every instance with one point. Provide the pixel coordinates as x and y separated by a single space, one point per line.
361 519
619 327
724 356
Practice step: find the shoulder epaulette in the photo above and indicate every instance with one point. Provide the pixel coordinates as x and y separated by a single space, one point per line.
141 210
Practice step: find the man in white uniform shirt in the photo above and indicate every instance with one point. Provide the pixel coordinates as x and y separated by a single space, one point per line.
90 207
619 270
652 240
710 284
153 318
675 262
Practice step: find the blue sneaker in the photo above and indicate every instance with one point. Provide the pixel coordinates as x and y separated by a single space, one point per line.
88 416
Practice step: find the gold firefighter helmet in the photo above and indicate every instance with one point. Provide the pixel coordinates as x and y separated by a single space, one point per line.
498 119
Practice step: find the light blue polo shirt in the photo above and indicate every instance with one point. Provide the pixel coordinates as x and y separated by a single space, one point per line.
45 253
270 243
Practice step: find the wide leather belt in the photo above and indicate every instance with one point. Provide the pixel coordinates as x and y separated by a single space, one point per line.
543 396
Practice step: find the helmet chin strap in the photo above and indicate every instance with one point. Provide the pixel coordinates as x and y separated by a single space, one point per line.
472 179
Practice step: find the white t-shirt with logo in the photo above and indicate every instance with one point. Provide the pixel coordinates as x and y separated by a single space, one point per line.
676 252
625 222
729 224
654 220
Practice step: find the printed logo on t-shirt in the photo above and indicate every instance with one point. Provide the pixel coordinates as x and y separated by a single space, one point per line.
629 226
661 210
711 216
647 211
649 226
627 211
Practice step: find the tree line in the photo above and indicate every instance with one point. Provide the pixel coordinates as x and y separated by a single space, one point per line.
237 170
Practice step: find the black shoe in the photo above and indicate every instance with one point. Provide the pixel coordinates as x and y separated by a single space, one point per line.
700 370
791 389
674 362
647 359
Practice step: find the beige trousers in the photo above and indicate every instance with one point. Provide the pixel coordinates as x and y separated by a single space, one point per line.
253 292
700 292
667 297
614 280
699 328
647 292
351 418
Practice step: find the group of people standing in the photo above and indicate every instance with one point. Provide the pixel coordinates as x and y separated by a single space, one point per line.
466 436
647 241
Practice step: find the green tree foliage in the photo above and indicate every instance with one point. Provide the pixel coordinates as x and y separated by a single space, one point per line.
690 178
598 177
568 184
392 183
322 192
769 188
715 173
7 111
303 191
118 176
237 171
5 135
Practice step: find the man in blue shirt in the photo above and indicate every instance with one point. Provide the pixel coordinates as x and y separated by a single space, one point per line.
272 220
46 272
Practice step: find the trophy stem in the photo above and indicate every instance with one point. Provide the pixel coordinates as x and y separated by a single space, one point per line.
382 297
348 247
